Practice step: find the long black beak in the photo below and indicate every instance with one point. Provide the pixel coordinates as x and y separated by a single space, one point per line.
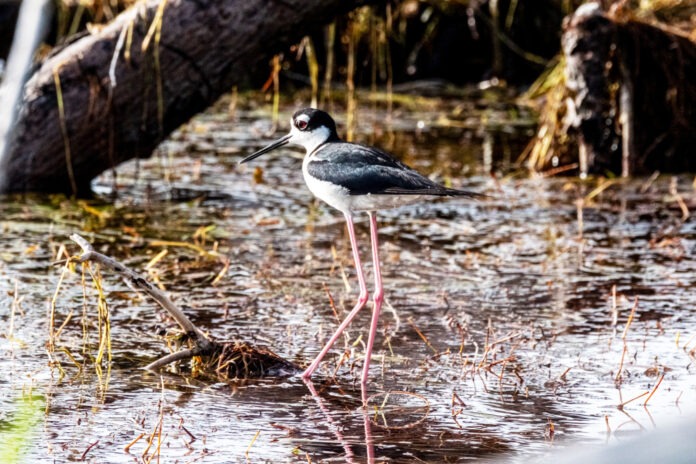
278 143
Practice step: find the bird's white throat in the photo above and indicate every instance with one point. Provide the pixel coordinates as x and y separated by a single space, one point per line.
310 140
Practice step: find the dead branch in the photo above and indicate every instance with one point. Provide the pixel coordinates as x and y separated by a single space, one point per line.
227 359
137 282
173 357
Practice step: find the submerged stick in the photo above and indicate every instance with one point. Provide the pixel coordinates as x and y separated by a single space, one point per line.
173 357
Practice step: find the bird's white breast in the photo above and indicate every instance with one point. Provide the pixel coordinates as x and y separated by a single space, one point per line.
332 194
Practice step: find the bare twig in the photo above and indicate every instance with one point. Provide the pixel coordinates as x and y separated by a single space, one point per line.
135 281
135 440
88 450
678 198
630 318
618 377
657 385
421 335
620 406
253 440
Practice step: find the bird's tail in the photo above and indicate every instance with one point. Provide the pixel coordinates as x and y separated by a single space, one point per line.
450 192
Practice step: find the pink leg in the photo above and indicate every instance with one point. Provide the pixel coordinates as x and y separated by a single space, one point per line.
378 296
362 300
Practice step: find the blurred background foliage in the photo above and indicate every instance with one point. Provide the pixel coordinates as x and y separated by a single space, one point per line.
390 43
417 48
458 41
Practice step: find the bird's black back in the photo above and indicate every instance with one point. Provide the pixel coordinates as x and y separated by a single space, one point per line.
364 170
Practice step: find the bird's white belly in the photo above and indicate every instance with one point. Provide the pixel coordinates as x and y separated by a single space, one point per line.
332 194
341 199
371 202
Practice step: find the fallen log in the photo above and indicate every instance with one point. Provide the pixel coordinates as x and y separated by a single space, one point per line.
233 359
32 25
116 93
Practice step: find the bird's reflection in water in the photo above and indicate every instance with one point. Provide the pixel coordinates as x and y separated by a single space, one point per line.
336 428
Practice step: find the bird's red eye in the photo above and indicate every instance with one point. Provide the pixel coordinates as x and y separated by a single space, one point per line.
301 124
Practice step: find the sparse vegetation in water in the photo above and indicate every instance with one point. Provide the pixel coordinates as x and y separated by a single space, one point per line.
505 323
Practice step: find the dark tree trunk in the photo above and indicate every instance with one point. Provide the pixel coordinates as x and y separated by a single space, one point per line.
662 70
634 98
588 42
61 144
9 10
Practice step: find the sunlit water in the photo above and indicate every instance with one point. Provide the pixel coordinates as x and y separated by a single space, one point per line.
520 351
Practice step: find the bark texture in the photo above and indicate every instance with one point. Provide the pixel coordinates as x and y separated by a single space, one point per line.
177 57
588 44
633 101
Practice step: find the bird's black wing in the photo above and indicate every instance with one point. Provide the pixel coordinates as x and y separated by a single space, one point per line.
366 170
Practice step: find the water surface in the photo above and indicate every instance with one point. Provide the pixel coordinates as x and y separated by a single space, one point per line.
501 337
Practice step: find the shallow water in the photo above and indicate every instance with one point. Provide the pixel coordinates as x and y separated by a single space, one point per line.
520 346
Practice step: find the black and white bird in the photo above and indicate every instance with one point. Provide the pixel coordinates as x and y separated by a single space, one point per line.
353 178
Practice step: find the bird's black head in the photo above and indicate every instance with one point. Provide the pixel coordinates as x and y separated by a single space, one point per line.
311 119
310 129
